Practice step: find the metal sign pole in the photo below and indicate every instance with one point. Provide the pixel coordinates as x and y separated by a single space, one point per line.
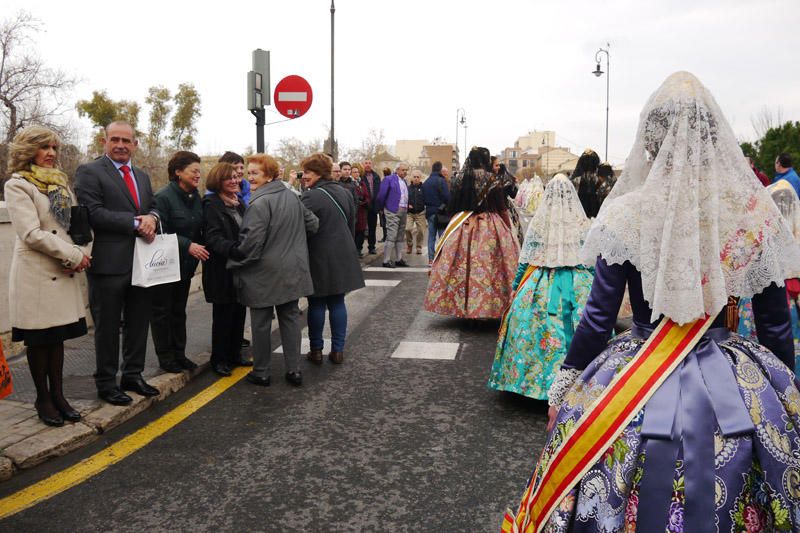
260 115
331 141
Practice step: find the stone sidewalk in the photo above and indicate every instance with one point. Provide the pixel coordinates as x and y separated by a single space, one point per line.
26 442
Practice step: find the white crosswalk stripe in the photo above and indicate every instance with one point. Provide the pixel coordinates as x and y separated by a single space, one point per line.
426 350
398 270
382 282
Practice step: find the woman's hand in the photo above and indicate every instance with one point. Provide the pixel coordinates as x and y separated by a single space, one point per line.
552 413
85 263
198 251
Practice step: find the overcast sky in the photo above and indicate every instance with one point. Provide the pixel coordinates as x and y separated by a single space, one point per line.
406 66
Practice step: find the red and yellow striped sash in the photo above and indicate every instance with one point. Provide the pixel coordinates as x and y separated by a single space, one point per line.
504 319
455 223
604 421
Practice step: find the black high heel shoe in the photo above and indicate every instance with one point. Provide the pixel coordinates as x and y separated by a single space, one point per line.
49 420
69 414
66 410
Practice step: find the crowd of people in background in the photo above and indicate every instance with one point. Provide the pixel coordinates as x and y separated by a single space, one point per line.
264 242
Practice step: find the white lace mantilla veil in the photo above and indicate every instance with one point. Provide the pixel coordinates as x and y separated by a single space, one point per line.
689 213
556 232
788 204
536 193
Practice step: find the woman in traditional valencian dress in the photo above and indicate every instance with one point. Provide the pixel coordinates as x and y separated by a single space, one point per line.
551 288
606 181
677 425
527 200
786 199
584 177
476 258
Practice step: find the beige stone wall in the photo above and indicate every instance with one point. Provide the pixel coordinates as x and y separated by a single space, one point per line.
410 150
446 153
556 159
6 250
535 139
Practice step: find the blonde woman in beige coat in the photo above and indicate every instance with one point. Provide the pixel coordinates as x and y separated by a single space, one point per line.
46 301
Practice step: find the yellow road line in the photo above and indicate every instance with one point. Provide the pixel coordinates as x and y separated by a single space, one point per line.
91 466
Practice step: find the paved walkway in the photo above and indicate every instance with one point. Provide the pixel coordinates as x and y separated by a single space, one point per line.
26 442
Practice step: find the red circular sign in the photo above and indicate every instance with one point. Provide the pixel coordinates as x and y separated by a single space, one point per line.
292 96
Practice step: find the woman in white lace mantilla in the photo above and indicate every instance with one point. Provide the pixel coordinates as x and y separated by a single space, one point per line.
550 291
716 446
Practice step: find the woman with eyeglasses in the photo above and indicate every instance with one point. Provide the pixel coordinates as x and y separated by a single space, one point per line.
223 211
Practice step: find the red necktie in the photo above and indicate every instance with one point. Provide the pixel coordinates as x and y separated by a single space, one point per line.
126 175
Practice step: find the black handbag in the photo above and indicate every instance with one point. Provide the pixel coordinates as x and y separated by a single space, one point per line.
442 218
79 228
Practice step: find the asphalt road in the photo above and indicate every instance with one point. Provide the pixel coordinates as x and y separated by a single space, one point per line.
375 444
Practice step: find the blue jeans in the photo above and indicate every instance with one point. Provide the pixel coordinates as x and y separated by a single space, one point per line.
433 234
316 321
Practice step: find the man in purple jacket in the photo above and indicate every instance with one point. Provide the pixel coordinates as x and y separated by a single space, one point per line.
393 198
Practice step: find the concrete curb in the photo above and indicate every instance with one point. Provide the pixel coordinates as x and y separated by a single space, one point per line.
54 442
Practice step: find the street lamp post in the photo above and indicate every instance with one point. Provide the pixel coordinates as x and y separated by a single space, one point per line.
331 141
546 144
460 119
597 72
464 123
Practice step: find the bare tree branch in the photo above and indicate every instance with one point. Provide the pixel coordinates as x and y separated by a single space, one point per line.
766 119
30 91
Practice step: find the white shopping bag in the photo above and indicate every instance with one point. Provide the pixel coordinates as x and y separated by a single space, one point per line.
157 262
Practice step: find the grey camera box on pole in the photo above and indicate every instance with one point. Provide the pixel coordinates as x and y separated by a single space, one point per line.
255 96
258 93
261 66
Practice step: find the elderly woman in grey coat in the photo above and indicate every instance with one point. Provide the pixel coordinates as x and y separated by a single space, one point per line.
335 268
270 266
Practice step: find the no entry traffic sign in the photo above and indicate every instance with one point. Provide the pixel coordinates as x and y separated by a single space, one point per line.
293 96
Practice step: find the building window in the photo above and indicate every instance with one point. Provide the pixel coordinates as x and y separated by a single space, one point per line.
524 163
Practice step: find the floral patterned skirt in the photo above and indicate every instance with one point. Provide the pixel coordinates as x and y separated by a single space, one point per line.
474 272
747 326
699 478
536 335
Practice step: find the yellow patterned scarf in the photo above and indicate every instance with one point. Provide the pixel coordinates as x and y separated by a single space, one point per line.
53 183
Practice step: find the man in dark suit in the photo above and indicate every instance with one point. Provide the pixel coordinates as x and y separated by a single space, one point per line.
120 199
374 185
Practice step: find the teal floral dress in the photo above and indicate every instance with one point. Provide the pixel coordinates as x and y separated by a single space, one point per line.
538 328
747 327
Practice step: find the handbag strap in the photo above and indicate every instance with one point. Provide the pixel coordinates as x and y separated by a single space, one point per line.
335 203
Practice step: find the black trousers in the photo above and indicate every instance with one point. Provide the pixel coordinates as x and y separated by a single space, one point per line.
227 331
360 241
168 320
372 226
112 298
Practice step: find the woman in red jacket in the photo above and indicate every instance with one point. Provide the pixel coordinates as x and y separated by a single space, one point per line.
363 201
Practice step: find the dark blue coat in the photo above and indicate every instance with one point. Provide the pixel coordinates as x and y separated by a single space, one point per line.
436 193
